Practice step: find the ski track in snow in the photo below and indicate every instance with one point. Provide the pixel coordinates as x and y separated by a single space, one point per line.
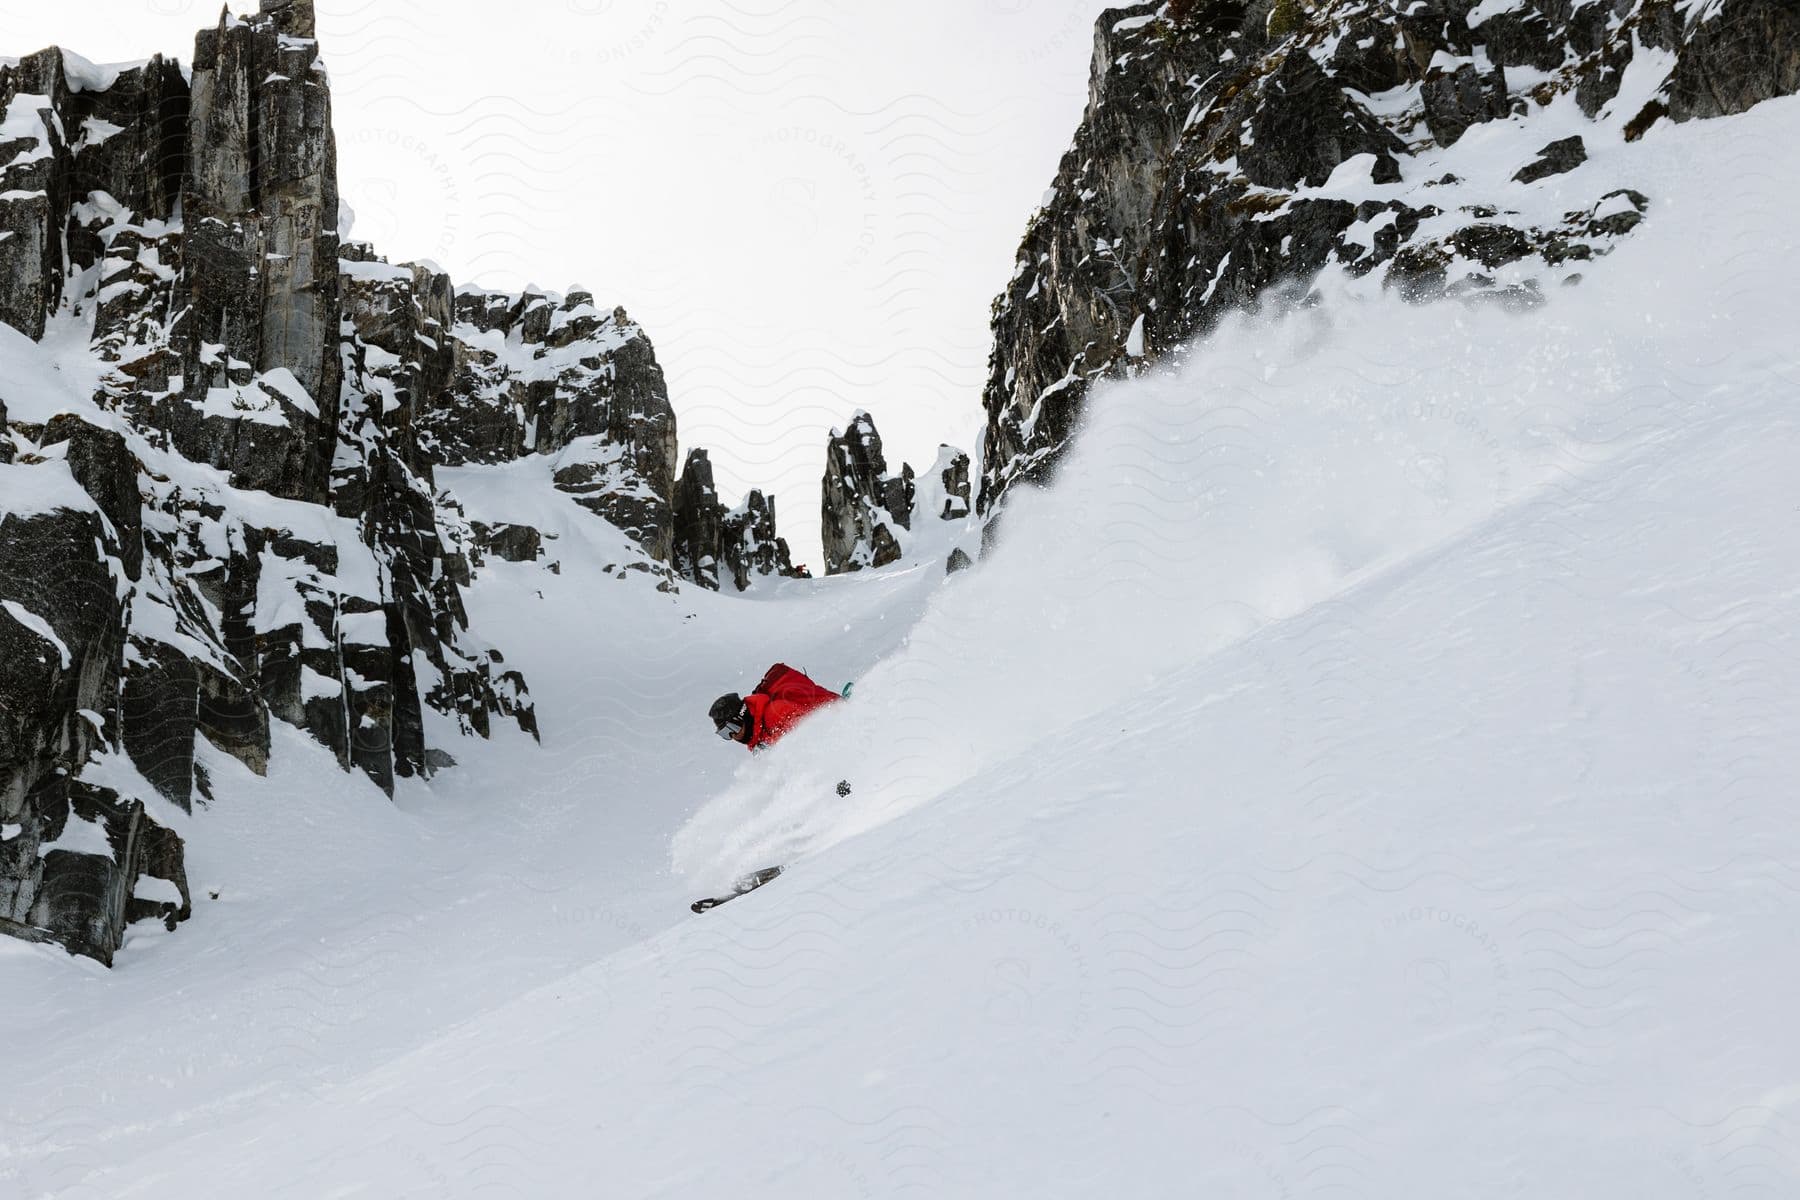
1313 796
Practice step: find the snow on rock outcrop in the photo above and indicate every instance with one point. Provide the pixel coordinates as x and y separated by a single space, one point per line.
216 479
1228 147
713 543
222 426
750 545
867 513
501 376
538 373
862 504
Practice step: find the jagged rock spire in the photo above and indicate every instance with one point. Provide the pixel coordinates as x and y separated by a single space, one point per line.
863 504
713 543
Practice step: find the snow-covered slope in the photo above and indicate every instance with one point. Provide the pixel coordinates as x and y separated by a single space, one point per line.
1389 796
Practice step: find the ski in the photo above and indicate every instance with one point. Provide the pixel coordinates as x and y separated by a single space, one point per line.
748 883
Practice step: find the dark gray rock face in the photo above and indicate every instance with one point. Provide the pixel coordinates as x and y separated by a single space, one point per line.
953 473
863 504
511 543
59 146
398 359
103 465
35 183
536 373
1076 291
1456 98
1562 155
540 374
1736 56
145 605
481 377
70 855
61 628
552 370
699 523
749 544
73 871
1179 199
713 543
258 339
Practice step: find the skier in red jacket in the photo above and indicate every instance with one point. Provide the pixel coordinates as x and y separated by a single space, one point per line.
761 719
776 706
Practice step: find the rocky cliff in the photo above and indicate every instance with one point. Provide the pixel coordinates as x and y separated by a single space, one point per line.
221 424
866 511
542 374
1227 147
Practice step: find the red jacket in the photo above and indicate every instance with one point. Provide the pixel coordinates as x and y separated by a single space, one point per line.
778 703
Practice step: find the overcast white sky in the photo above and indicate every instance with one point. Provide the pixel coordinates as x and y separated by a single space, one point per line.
809 205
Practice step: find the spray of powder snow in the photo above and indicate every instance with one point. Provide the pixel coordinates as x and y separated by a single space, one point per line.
1287 457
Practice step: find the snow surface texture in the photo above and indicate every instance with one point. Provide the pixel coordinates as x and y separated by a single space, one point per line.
1380 787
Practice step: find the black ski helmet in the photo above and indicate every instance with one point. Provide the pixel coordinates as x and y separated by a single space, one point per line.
726 709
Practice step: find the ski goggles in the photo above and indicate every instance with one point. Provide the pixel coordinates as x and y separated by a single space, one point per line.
730 730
